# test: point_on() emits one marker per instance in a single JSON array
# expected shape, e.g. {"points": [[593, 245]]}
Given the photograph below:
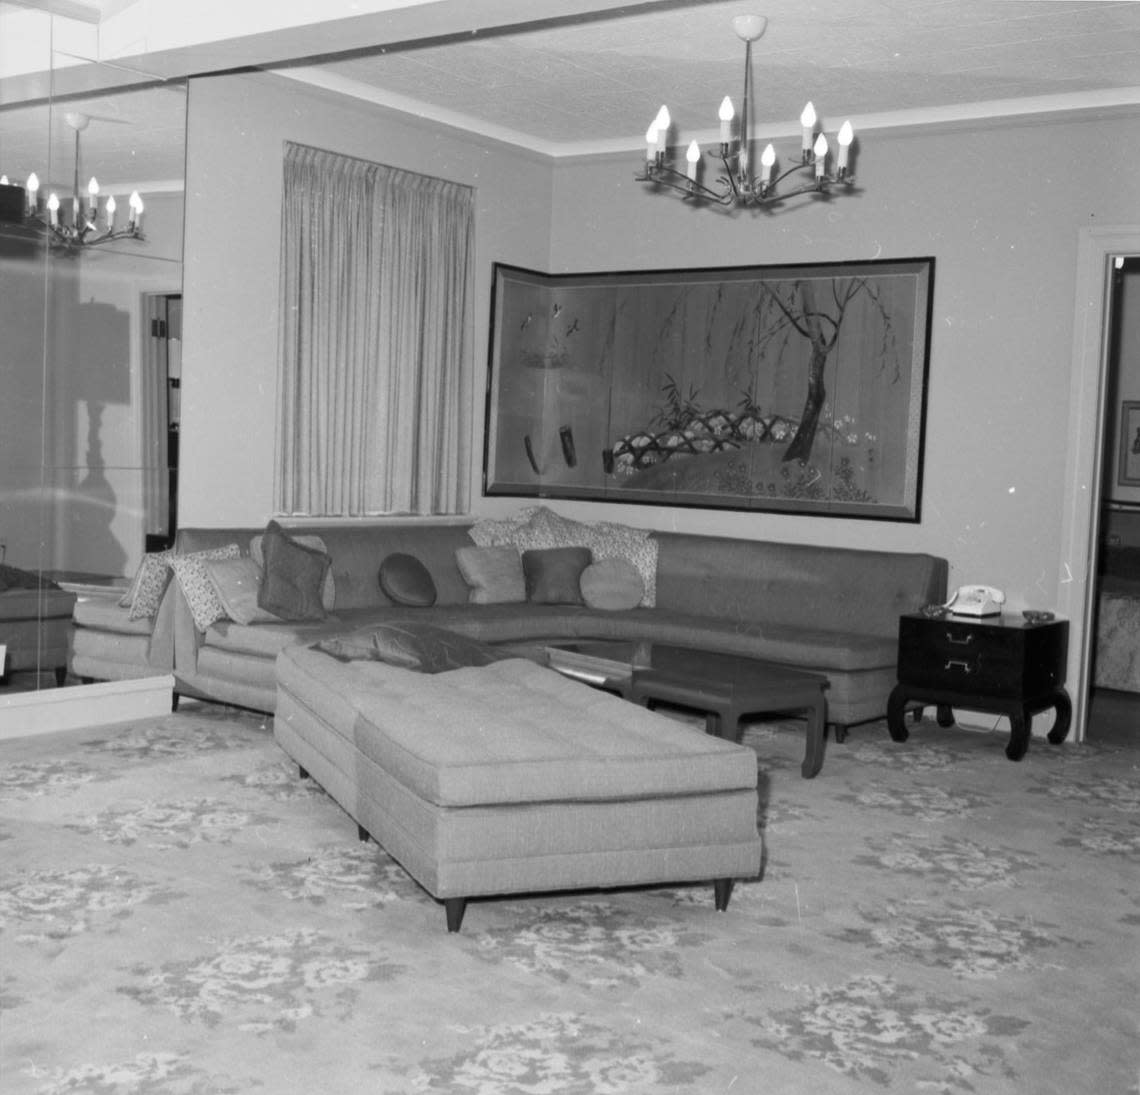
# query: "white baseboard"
{"points": [[49, 710]]}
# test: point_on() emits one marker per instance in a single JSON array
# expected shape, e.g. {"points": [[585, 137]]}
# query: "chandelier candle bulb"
{"points": [[693, 157], [33, 187], [767, 162], [53, 210], [92, 199], [820, 150], [651, 143], [846, 136], [807, 121], [726, 114], [109, 212]]}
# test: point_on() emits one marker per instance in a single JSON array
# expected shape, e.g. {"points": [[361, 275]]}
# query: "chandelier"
{"points": [[85, 223], [738, 186]]}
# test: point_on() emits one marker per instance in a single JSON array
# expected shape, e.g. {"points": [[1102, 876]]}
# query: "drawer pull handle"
{"points": [[964, 641], [965, 667]]}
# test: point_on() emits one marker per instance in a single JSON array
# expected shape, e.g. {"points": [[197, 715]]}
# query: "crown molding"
{"points": [[1104, 102]]}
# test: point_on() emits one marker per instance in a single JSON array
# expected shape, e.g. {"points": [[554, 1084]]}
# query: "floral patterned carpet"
{"points": [[180, 914]]}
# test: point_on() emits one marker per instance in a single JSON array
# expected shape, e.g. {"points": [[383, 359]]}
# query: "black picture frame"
{"points": [[787, 389]]}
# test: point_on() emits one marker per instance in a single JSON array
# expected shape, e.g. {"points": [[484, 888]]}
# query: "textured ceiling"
{"points": [[593, 84], [575, 87]]}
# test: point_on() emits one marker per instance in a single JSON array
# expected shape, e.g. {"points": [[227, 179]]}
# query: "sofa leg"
{"points": [[722, 891], [304, 772], [839, 732], [362, 834], [174, 698], [60, 675], [454, 908]]}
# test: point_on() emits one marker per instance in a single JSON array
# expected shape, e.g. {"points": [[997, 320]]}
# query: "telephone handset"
{"points": [[976, 601]]}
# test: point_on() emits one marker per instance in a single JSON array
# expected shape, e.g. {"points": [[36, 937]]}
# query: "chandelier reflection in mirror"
{"points": [[738, 186], [77, 223]]}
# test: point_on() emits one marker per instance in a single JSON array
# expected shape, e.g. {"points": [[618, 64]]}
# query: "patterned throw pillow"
{"points": [[493, 574], [194, 580], [149, 584]]}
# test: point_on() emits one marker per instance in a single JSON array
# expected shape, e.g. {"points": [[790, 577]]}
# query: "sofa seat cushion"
{"points": [[515, 732], [34, 604], [103, 612]]}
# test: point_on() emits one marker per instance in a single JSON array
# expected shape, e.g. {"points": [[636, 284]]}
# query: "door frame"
{"points": [[1080, 528]]}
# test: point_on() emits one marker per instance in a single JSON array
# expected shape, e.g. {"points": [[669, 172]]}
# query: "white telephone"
{"points": [[976, 601]]}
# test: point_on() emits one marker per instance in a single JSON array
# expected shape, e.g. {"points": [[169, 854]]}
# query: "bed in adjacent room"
{"points": [[1118, 620]]}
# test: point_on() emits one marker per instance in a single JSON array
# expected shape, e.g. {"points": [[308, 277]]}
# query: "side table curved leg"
{"points": [[1064, 708], [1018, 735], [813, 751], [945, 715], [896, 709]]}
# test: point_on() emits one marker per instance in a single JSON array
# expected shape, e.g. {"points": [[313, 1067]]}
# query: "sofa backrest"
{"points": [[801, 585], [357, 550]]}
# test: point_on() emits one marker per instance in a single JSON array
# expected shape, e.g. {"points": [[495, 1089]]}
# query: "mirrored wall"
{"points": [[89, 331]]}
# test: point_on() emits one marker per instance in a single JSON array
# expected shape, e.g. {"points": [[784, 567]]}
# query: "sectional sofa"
{"points": [[831, 610]]}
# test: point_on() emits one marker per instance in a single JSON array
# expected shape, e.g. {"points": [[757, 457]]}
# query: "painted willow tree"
{"points": [[816, 310]]}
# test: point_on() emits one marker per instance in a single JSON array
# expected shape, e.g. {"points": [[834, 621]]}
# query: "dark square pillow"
{"points": [[294, 575], [554, 575], [405, 580], [431, 649]]}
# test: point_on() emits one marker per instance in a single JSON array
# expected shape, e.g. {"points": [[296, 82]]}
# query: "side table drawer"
{"points": [[981, 657]]}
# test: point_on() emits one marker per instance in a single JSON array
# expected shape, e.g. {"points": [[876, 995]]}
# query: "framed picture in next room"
{"points": [[788, 389], [1129, 474]]}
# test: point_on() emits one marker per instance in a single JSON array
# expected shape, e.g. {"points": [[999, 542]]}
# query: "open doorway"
{"points": [[162, 373], [1114, 709]]}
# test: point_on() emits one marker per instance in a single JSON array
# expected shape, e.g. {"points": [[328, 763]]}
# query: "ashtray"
{"points": [[934, 612], [1034, 616]]}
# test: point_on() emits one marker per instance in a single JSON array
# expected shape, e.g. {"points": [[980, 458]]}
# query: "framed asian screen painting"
{"points": [[795, 389]]}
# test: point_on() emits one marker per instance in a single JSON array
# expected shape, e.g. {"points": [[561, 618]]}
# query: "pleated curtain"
{"points": [[375, 390]]}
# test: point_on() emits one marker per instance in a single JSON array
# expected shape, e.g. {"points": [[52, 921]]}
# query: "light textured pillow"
{"points": [[292, 577], [236, 582], [612, 585], [149, 584], [553, 575], [431, 649], [406, 581], [205, 605], [494, 575], [328, 590], [541, 527]]}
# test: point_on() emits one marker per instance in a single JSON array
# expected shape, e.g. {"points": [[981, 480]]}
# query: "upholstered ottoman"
{"points": [[509, 778]]}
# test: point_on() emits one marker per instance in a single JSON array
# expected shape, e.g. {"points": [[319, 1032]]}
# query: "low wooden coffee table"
{"points": [[727, 688]]}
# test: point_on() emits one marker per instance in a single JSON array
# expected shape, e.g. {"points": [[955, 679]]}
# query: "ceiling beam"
{"points": [[67, 9]]}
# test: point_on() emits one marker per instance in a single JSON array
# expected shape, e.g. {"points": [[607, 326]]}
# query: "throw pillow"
{"points": [[149, 584], [293, 576], [357, 646], [553, 575], [494, 574], [236, 582], [328, 590], [612, 585], [205, 605], [406, 581], [431, 649]]}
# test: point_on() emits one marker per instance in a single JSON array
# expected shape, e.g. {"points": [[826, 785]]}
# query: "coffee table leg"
{"points": [[813, 751]]}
